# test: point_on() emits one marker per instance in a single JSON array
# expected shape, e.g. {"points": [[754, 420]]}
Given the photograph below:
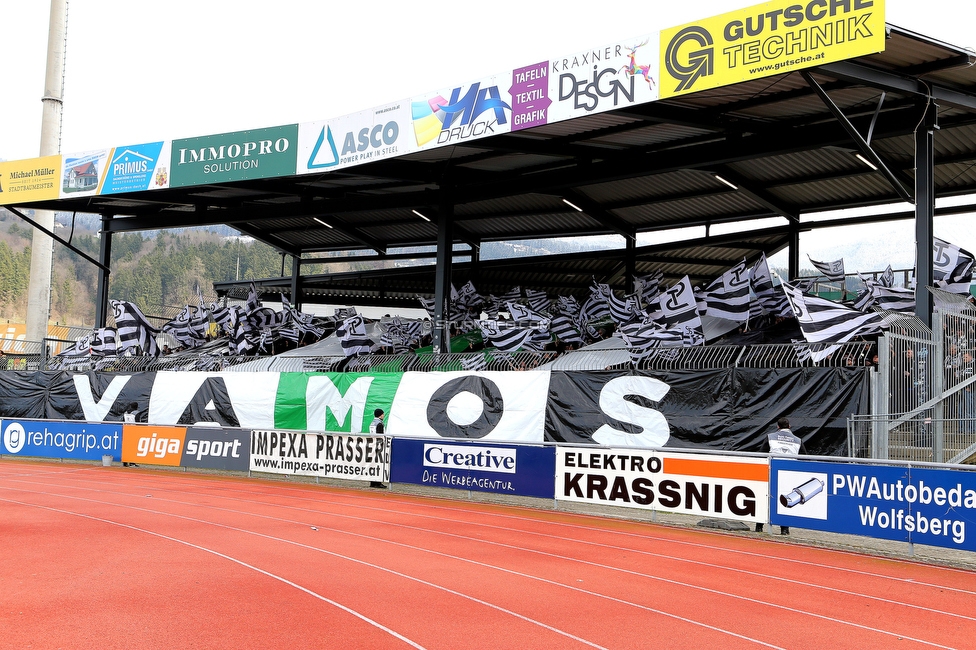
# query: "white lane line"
{"points": [[305, 546], [561, 557], [348, 610], [303, 496]]}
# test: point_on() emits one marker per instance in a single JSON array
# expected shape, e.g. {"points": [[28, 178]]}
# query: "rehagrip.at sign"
{"points": [[53, 439]]}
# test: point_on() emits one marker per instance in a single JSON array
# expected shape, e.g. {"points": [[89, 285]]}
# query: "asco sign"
{"points": [[767, 39]]}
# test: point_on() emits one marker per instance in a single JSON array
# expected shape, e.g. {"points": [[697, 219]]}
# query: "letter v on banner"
{"points": [[96, 411]]}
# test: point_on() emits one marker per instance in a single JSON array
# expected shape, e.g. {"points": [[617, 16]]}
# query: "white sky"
{"points": [[141, 71]]}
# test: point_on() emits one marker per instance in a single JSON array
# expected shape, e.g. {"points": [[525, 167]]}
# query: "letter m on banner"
{"points": [[338, 402]]}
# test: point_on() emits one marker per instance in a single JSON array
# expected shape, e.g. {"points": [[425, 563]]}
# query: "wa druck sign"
{"points": [[908, 504]]}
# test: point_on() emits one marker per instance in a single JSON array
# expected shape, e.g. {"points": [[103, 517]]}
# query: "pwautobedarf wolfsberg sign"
{"points": [[908, 504], [243, 155]]}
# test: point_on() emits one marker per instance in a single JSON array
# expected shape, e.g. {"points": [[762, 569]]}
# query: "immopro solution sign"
{"points": [[767, 39], [243, 155], [908, 504]]}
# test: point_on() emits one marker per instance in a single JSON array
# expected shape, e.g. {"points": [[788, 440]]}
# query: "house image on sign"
{"points": [[81, 177]]}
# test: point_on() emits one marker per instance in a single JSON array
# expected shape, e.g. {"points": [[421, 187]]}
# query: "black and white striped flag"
{"points": [[770, 300], [567, 306], [952, 266], [526, 316], [263, 317], [893, 298], [621, 311], [252, 301], [506, 339], [352, 336], [802, 351], [134, 330], [105, 342], [887, 279], [642, 339], [728, 296], [825, 321], [679, 309], [492, 306], [513, 294], [649, 286], [538, 300], [429, 306], [468, 296], [81, 348], [594, 309], [834, 271], [241, 343], [563, 329]]}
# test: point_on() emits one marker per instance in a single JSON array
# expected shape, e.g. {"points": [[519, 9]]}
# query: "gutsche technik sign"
{"points": [[767, 39]]}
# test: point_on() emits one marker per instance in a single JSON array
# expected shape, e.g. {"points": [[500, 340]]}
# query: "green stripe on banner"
{"points": [[333, 401]]}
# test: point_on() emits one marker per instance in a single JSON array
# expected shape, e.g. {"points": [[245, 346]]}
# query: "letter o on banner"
{"points": [[484, 389]]}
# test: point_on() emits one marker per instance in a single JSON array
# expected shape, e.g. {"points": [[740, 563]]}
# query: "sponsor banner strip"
{"points": [[639, 478], [327, 455], [908, 504], [67, 440], [522, 470], [714, 469]]}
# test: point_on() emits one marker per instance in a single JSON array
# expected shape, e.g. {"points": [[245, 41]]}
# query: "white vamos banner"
{"points": [[484, 405], [694, 484]]}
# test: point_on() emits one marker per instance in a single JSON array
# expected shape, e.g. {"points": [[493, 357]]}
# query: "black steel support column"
{"points": [[475, 265], [105, 258], [442, 283], [794, 252], [296, 277], [924, 211], [630, 260]]}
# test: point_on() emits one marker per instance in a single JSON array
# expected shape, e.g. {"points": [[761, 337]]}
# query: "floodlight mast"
{"points": [[42, 246]]}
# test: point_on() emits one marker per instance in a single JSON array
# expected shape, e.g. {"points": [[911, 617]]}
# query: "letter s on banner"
{"points": [[613, 403]]}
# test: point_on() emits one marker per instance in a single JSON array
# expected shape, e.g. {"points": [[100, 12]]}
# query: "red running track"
{"points": [[98, 557]]}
